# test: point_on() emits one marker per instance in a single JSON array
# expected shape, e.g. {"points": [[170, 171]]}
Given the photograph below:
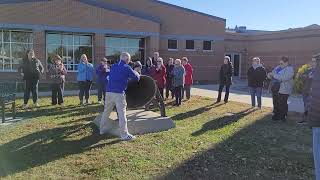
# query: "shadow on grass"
{"points": [[194, 112], [46, 146], [221, 122], [262, 150], [76, 110]]}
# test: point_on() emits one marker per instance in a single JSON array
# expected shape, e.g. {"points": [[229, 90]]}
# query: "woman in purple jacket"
{"points": [[102, 71]]}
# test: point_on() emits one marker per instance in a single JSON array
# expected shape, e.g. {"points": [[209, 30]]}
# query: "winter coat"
{"points": [[285, 76], [226, 72], [179, 76], [189, 74], [256, 76], [160, 76], [57, 73], [32, 69]]}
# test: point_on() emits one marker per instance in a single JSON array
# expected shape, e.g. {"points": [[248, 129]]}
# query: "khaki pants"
{"points": [[118, 100]]}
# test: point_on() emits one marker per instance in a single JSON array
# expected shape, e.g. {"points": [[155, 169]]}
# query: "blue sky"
{"points": [[259, 14]]}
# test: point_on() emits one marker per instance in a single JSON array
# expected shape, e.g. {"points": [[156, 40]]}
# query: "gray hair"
{"points": [[125, 54], [178, 61]]}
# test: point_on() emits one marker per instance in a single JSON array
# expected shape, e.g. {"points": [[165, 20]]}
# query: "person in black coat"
{"points": [[257, 74], [226, 72], [31, 69], [169, 86]]}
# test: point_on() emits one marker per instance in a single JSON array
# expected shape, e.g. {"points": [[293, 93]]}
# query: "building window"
{"points": [[13, 47], [172, 44], [189, 44], [134, 46], [70, 47], [207, 45]]}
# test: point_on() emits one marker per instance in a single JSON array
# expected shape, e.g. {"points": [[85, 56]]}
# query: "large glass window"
{"points": [[13, 47], [116, 45], [70, 47]]}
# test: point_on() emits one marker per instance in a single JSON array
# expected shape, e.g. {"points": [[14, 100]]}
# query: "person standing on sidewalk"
{"points": [[178, 80], [57, 73], [225, 77], [188, 79], [307, 78], [119, 76], [31, 70], [85, 78], [282, 74], [102, 71], [256, 77], [314, 116]]}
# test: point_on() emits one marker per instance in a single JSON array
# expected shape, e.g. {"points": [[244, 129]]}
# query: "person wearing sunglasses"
{"points": [[282, 77]]}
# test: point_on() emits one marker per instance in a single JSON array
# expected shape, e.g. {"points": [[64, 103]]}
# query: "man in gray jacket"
{"points": [[285, 77]]}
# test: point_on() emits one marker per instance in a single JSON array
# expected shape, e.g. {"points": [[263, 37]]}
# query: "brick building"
{"points": [[102, 28], [298, 44]]}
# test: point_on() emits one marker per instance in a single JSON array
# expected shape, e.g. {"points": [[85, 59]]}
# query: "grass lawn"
{"points": [[209, 142]]}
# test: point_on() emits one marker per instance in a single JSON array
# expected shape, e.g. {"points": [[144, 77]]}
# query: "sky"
{"points": [[258, 14]]}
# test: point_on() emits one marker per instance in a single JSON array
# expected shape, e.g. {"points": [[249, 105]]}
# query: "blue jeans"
{"points": [[256, 92], [316, 151]]}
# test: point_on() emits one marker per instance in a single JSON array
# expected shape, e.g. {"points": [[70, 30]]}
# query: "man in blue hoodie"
{"points": [[120, 74]]}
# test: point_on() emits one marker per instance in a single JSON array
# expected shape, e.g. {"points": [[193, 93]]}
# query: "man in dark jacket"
{"points": [[256, 76], [314, 116]]}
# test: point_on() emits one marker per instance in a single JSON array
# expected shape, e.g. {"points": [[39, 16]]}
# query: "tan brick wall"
{"points": [[72, 14], [298, 45], [206, 64], [175, 20]]}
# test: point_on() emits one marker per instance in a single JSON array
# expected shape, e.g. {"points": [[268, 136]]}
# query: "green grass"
{"points": [[207, 143]]}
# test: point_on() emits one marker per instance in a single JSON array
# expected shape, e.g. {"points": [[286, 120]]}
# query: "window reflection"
{"points": [[70, 47], [13, 46], [116, 45]]}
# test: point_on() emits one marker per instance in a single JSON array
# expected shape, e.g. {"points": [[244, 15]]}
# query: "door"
{"points": [[236, 61]]}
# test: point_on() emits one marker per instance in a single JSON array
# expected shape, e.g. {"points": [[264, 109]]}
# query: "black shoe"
{"points": [[226, 102], [302, 122], [275, 118]]}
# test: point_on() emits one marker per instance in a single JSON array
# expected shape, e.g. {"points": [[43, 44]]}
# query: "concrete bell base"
{"points": [[139, 122]]}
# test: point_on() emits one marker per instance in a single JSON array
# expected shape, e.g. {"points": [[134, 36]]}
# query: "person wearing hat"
{"points": [[314, 115], [57, 73]]}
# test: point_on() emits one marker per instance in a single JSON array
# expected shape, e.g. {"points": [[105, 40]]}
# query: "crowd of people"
{"points": [[174, 79]]}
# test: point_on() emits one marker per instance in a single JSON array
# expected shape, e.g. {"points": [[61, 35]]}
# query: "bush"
{"points": [[298, 82]]}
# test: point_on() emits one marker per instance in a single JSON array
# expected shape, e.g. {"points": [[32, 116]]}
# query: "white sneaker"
{"points": [[25, 106], [37, 105], [129, 137], [99, 102]]}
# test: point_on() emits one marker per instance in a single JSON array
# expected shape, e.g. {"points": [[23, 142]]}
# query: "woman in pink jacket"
{"points": [[188, 78]]}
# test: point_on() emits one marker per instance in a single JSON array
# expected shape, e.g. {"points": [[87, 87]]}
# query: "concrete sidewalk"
{"points": [[211, 91]]}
